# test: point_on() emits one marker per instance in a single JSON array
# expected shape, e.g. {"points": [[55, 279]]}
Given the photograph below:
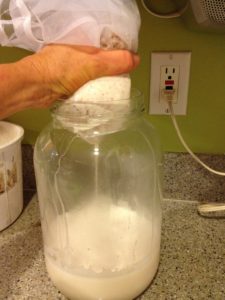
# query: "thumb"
{"points": [[117, 62]]}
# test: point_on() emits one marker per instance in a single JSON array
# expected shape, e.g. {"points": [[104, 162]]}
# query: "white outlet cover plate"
{"points": [[178, 59]]}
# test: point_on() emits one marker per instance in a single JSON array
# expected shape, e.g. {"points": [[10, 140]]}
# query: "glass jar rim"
{"points": [[69, 108], [91, 119]]}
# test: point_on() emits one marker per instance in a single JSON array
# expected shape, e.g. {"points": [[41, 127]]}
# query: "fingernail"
{"points": [[136, 59]]}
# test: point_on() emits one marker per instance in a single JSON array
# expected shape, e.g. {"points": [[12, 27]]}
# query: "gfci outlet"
{"points": [[170, 72], [169, 83]]}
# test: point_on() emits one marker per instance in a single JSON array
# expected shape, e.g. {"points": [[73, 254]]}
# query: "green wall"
{"points": [[204, 125]]}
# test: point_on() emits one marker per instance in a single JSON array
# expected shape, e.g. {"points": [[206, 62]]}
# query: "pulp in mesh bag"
{"points": [[97, 106]]}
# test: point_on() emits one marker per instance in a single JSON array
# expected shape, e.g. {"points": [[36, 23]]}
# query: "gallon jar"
{"points": [[98, 179]]}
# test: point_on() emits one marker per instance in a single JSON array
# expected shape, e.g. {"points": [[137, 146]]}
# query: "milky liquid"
{"points": [[111, 253], [125, 286]]}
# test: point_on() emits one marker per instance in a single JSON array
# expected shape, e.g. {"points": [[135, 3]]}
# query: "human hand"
{"points": [[55, 72], [66, 68]]}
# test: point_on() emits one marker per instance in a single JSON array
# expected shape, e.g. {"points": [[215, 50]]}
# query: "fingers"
{"points": [[100, 62]]}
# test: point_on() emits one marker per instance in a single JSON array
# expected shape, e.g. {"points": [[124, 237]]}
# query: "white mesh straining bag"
{"points": [[31, 24]]}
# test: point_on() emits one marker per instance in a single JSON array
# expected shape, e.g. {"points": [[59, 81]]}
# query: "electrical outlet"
{"points": [[169, 83], [170, 73]]}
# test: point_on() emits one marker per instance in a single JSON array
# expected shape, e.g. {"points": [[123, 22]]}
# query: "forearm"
{"points": [[22, 87]]}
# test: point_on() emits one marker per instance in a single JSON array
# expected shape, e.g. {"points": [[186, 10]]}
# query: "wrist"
{"points": [[35, 81]]}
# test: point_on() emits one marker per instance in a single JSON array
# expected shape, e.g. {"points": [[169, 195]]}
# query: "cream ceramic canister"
{"points": [[11, 187]]}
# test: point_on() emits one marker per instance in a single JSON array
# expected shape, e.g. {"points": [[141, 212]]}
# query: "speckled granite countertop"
{"points": [[192, 264]]}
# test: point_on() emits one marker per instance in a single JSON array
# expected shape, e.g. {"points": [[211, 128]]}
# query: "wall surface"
{"points": [[204, 125]]}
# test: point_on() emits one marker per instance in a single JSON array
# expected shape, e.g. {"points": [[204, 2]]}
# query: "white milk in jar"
{"points": [[110, 256]]}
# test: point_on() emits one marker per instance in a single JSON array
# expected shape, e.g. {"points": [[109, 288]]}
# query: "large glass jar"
{"points": [[98, 179]]}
